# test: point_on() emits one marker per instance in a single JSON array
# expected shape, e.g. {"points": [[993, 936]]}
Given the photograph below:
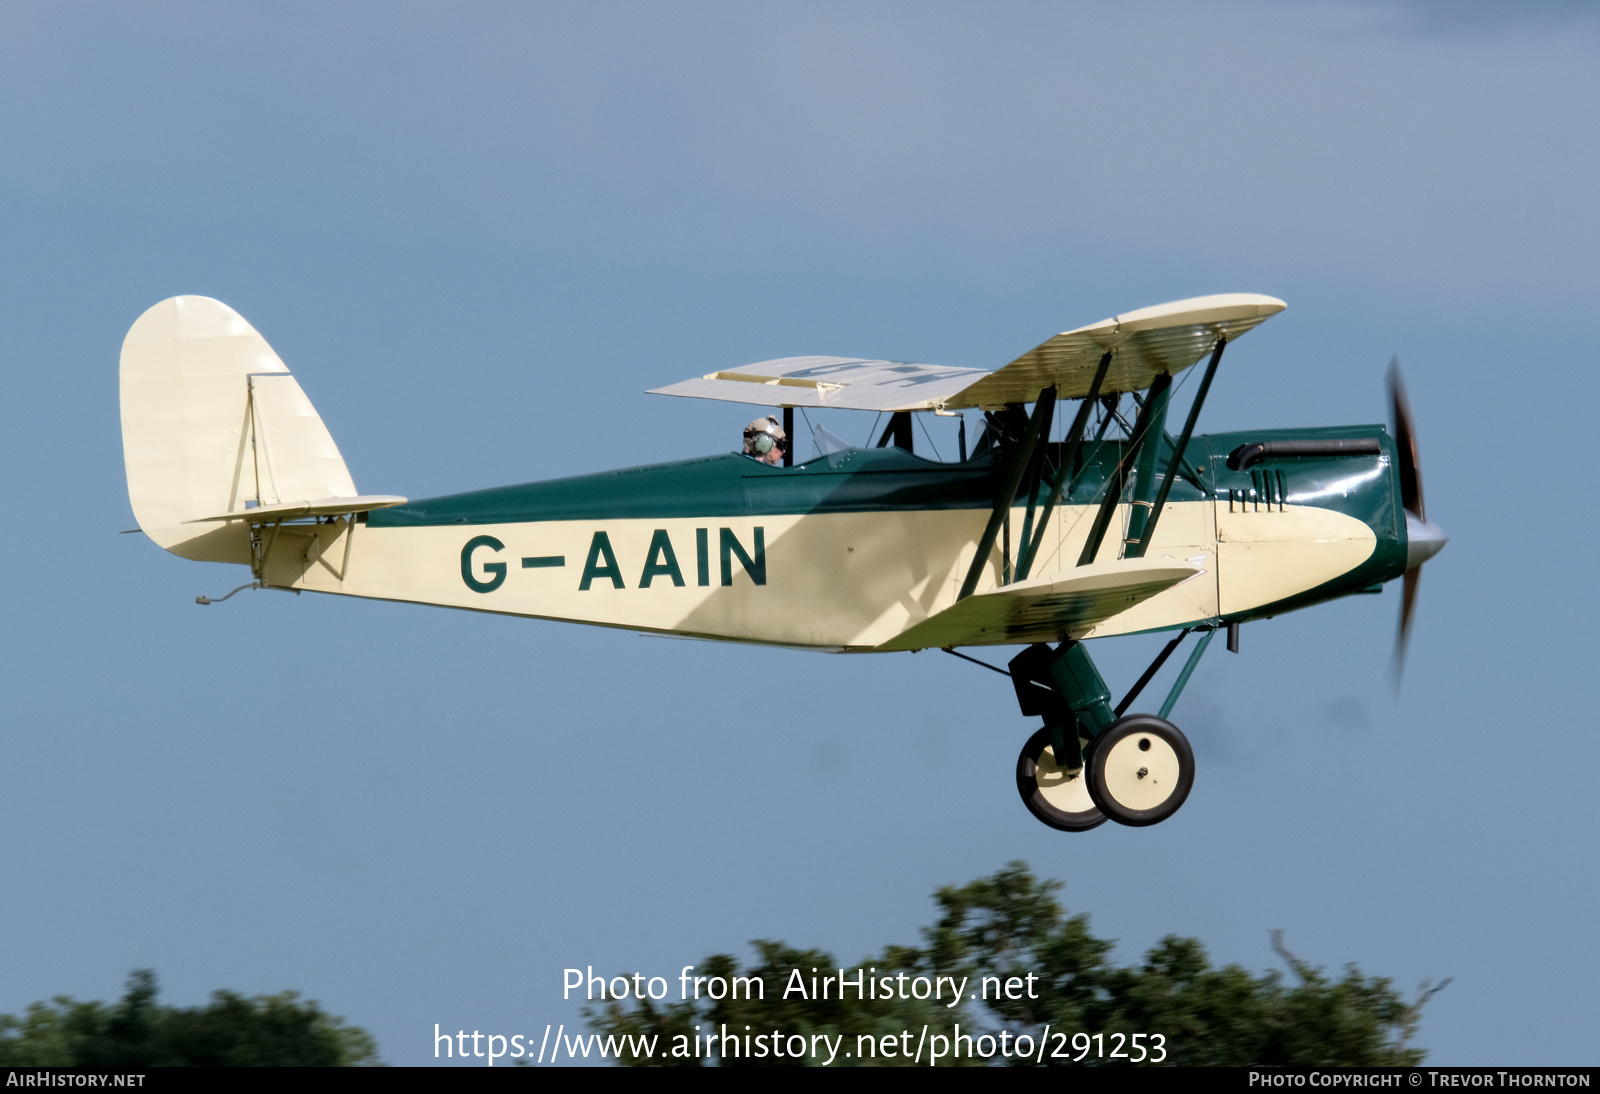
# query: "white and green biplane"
{"points": [[1045, 534]]}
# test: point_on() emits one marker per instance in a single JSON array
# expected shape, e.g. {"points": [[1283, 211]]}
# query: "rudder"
{"points": [[213, 422]]}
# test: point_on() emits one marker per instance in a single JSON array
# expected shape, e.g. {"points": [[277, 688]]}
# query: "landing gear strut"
{"points": [[1087, 765]]}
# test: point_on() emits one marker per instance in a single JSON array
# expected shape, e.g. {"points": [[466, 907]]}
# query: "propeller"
{"points": [[1424, 539]]}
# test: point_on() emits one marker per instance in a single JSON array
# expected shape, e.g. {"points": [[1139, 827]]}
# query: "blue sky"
{"points": [[477, 233]]}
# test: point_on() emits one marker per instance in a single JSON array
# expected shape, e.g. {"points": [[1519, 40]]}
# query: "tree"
{"points": [[1010, 926], [231, 1031]]}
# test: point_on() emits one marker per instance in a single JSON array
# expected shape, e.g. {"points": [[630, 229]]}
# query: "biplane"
{"points": [[1076, 514]]}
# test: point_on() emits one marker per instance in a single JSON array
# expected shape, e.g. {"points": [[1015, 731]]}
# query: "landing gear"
{"points": [[1090, 764], [1057, 796], [1140, 770]]}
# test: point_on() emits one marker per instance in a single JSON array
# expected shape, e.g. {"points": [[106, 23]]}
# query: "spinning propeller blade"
{"points": [[1405, 439], [1423, 538], [1402, 640]]}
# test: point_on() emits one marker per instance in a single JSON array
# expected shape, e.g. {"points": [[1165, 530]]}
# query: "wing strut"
{"points": [[1155, 404], [1034, 477], [1144, 468], [1069, 456], [1137, 549], [1008, 489]]}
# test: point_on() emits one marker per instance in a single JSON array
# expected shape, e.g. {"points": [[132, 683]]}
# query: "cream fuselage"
{"points": [[873, 544]]}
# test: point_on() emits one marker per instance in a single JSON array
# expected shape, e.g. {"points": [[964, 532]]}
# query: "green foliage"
{"points": [[1010, 925], [231, 1031]]}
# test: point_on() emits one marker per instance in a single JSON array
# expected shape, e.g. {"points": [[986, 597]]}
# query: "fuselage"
{"points": [[848, 551]]}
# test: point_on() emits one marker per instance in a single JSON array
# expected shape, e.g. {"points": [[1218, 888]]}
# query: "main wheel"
{"points": [[1141, 770], [1050, 793]]}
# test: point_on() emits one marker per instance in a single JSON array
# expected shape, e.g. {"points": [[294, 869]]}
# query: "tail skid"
{"points": [[218, 600]]}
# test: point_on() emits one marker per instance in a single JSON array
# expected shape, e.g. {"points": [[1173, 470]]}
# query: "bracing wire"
{"points": [[811, 429], [928, 435]]}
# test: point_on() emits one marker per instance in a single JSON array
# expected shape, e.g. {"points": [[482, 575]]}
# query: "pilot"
{"points": [[765, 440]]}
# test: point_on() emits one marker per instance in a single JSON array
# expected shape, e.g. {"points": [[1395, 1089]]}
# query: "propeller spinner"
{"points": [[1424, 539]]}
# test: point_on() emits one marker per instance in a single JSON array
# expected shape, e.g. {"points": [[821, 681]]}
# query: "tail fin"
{"points": [[212, 422]]}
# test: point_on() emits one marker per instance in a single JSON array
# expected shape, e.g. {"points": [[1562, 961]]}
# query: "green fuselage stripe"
{"points": [[892, 480]]}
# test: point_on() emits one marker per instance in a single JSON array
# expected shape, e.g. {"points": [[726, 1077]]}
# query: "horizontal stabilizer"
{"points": [[327, 507], [1044, 609], [1144, 344]]}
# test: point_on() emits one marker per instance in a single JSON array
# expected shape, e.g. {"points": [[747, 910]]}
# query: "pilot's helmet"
{"points": [[764, 435]]}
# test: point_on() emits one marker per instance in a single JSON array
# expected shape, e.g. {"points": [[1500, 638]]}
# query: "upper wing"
{"points": [[847, 383], [1167, 338], [1044, 609]]}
